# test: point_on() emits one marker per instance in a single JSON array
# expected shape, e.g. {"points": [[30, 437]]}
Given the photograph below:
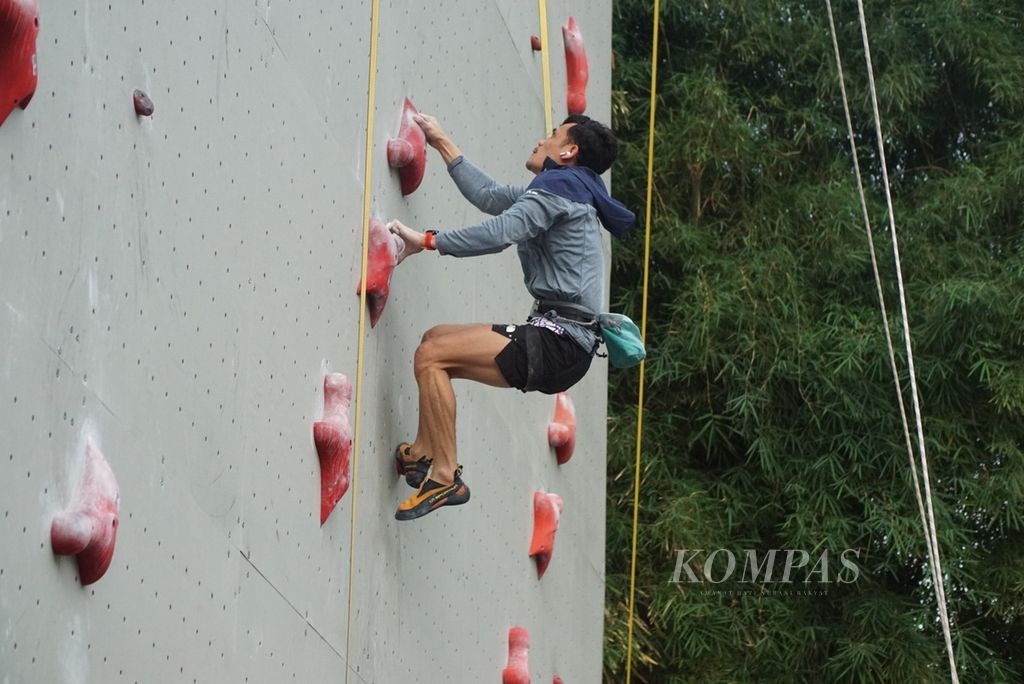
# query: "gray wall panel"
{"points": [[177, 287]]}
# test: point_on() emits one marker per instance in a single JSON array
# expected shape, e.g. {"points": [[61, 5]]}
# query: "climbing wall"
{"points": [[174, 288]]}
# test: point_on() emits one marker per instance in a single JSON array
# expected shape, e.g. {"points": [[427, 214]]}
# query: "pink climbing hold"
{"points": [[562, 429], [333, 438], [576, 70], [518, 669], [535, 43], [143, 105], [382, 254], [87, 529], [19, 26], [547, 509], [408, 152]]}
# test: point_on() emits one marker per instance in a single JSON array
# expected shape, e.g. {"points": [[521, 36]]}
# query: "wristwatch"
{"points": [[429, 238]]}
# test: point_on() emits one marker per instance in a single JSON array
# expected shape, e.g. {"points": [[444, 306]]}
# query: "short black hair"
{"points": [[598, 145]]}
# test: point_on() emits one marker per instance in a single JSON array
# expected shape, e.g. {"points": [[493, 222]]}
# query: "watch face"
{"points": [[510, 328]]}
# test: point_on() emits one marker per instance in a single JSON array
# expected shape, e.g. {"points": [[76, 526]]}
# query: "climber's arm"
{"points": [[532, 214], [480, 189]]}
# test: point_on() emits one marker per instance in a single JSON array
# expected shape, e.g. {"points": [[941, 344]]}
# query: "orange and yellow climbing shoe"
{"points": [[431, 495], [414, 471]]}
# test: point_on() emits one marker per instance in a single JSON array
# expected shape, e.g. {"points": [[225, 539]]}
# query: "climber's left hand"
{"points": [[413, 240]]}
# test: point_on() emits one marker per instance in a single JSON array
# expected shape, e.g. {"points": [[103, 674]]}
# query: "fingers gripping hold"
{"points": [[406, 240]]}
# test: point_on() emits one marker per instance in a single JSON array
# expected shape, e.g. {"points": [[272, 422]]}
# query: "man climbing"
{"points": [[554, 222]]}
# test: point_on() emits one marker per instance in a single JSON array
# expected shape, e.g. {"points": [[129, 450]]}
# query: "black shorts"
{"points": [[539, 359]]}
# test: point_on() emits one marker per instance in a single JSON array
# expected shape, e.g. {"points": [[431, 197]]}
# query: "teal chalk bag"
{"points": [[621, 339]]}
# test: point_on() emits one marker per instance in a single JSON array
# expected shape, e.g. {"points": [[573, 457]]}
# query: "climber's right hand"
{"points": [[437, 138], [432, 130]]}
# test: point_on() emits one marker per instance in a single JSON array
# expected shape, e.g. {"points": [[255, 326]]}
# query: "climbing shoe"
{"points": [[414, 471], [433, 495]]}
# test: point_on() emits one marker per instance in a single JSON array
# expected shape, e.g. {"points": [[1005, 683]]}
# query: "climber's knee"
{"points": [[426, 356]]}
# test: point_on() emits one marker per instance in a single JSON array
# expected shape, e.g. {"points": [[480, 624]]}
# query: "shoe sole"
{"points": [[424, 507]]}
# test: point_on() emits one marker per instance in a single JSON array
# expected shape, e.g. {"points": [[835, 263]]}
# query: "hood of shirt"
{"points": [[582, 184]]}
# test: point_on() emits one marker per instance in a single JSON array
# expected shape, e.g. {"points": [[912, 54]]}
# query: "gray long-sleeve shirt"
{"points": [[558, 241]]}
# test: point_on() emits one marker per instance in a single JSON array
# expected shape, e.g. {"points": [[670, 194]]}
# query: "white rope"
{"points": [[927, 517], [881, 296]]}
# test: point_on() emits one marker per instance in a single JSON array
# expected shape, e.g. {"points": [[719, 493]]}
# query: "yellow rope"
{"points": [[643, 336], [545, 65], [367, 184]]}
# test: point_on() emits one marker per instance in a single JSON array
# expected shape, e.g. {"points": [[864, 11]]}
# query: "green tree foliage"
{"points": [[771, 419]]}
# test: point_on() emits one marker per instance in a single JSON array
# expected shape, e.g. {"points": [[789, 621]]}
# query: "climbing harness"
{"points": [[619, 333]]}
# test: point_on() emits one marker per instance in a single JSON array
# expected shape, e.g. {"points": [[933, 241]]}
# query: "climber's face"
{"points": [[556, 146]]}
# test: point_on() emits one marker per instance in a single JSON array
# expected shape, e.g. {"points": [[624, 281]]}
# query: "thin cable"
{"points": [[545, 65], [882, 300], [886, 326], [932, 535], [371, 107], [643, 337]]}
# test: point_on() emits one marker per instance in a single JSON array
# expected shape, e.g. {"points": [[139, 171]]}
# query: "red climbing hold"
{"points": [[333, 439], [518, 669], [547, 509], [557, 680], [562, 429], [382, 253], [19, 26], [408, 152], [535, 43], [143, 105], [88, 527], [576, 71]]}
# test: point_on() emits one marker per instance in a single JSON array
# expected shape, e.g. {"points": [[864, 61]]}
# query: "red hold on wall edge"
{"points": [[518, 669], [547, 509], [576, 70], [87, 528], [333, 438], [562, 428], [19, 26]]}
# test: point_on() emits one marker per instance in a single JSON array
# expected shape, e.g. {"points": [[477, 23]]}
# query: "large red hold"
{"points": [[547, 509], [562, 428], [87, 529], [576, 70], [19, 26], [518, 669], [408, 152], [382, 254], [333, 438]]}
